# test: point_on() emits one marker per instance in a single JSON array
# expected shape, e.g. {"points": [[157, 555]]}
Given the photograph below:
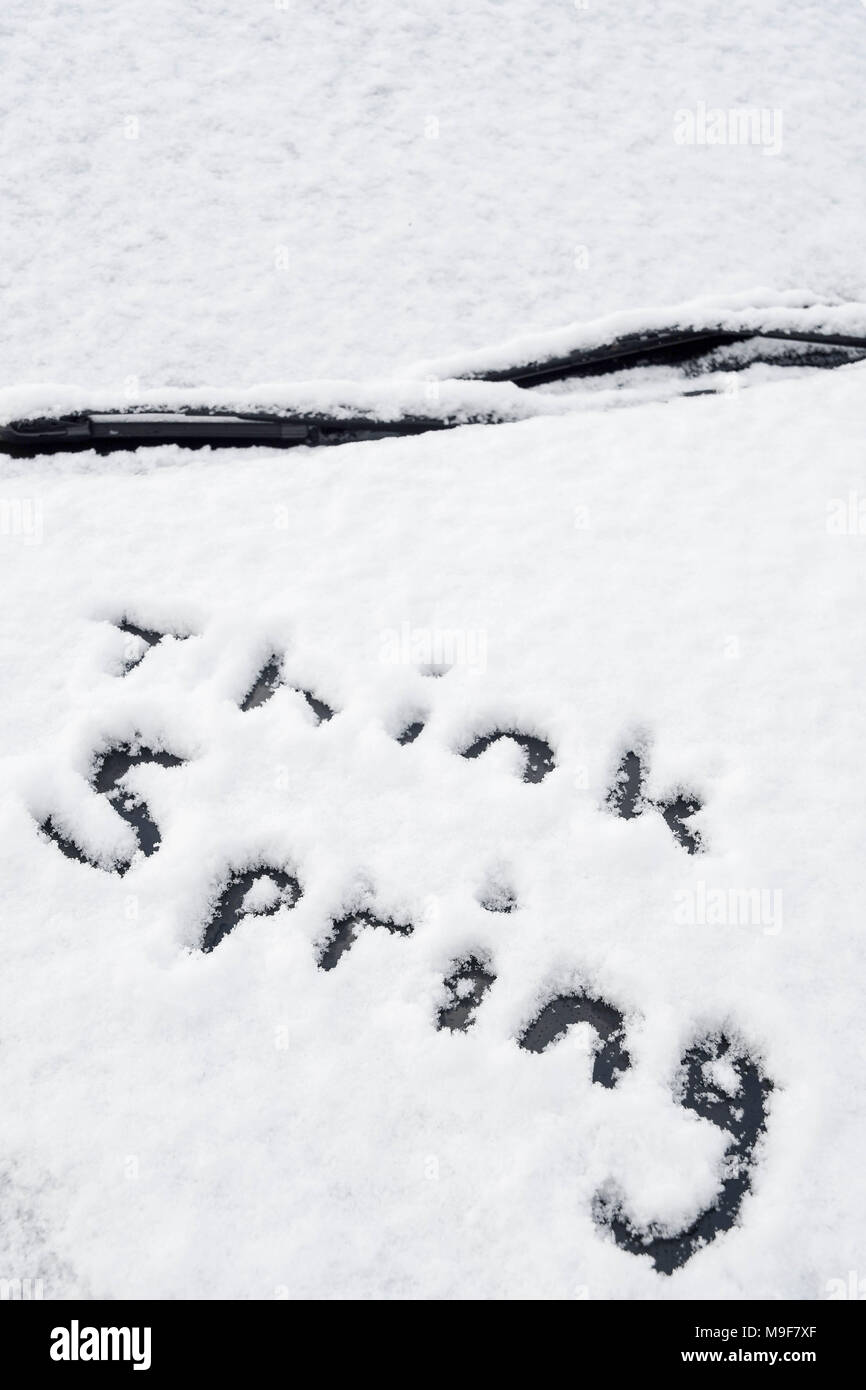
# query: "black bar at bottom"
{"points": [[230, 1338]]}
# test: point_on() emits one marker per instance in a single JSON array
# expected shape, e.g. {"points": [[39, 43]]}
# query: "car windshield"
{"points": [[432, 656]]}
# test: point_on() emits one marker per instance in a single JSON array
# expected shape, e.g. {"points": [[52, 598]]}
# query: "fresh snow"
{"points": [[684, 579], [222, 1068], [222, 191]]}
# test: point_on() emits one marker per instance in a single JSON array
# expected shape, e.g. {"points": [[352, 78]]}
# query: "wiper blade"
{"points": [[666, 347], [702, 346], [106, 431]]}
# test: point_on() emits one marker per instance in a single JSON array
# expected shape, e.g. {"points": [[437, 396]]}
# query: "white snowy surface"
{"points": [[244, 1124], [349, 204], [229, 191]]}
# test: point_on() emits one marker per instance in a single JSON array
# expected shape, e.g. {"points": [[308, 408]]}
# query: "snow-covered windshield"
{"points": [[432, 867]]}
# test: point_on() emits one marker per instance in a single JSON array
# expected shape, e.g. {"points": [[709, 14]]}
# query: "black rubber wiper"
{"points": [[668, 347], [105, 431], [697, 349]]}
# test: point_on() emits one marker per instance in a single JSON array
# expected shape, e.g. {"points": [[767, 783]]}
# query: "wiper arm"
{"points": [[728, 339], [663, 347], [106, 431]]}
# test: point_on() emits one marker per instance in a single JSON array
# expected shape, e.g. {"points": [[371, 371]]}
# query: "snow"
{"points": [[683, 578], [724, 1075], [339, 209], [291, 192], [263, 895]]}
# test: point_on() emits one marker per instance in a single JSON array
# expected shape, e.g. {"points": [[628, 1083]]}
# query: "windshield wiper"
{"points": [[696, 352], [674, 347], [106, 431]]}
